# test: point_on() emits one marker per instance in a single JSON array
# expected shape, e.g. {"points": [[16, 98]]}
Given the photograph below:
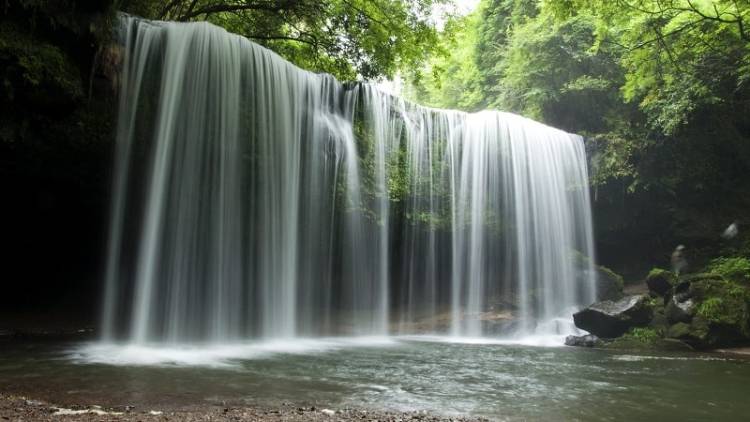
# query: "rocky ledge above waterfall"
{"points": [[697, 311]]}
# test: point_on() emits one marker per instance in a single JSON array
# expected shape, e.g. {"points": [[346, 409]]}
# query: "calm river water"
{"points": [[495, 380]]}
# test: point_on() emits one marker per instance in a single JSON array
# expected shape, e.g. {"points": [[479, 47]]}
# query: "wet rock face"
{"points": [[610, 319]]}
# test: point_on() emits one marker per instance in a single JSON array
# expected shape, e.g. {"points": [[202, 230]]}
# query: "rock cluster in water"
{"points": [[698, 311]]}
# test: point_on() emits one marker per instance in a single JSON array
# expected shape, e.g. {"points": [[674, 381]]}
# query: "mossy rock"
{"points": [[722, 302], [699, 277], [718, 316], [647, 338], [659, 320], [660, 282], [681, 330], [696, 333], [662, 345], [609, 285]]}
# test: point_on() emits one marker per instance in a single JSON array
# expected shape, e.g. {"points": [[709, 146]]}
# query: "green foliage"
{"points": [[723, 302], [451, 79], [512, 56], [680, 56], [668, 276], [656, 302], [656, 272], [712, 309], [734, 268], [643, 334], [29, 63], [638, 338], [48, 60], [349, 39]]}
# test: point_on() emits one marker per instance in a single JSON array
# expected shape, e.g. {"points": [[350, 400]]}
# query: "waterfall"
{"points": [[253, 199]]}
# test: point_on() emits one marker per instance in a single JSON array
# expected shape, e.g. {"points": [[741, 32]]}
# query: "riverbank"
{"points": [[18, 408]]}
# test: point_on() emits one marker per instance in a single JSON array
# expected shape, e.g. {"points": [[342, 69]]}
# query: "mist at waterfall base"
{"points": [[257, 203]]}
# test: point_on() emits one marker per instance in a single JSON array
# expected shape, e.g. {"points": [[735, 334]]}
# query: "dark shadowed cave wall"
{"points": [[56, 116]]}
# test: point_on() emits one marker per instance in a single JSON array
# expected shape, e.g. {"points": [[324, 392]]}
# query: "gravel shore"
{"points": [[17, 408]]}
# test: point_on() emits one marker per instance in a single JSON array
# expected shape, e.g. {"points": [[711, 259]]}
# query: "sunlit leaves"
{"points": [[351, 39]]}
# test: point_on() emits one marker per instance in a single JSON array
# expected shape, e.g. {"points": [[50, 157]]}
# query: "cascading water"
{"points": [[253, 199]]}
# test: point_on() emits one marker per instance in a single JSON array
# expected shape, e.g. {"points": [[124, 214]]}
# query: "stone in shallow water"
{"points": [[588, 340], [610, 319]]}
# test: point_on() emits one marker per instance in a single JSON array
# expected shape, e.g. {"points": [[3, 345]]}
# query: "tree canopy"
{"points": [[350, 39]]}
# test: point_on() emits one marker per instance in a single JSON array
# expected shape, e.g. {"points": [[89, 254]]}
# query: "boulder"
{"points": [[660, 282], [610, 319], [588, 340], [696, 334], [680, 330], [609, 285]]}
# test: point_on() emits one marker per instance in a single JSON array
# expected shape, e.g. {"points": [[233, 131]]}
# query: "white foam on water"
{"points": [[213, 355], [527, 340], [549, 333], [642, 358]]}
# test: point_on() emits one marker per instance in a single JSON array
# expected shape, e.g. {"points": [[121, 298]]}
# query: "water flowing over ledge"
{"points": [[255, 200]]}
